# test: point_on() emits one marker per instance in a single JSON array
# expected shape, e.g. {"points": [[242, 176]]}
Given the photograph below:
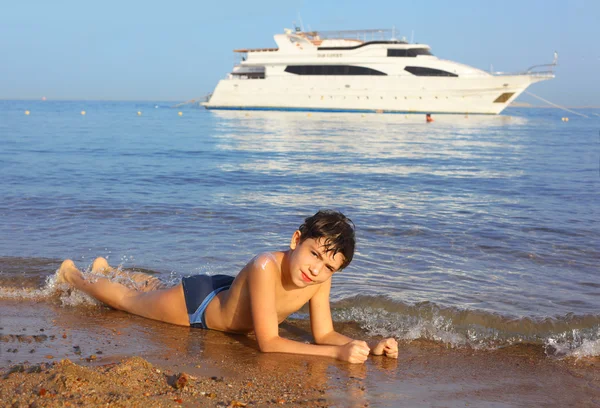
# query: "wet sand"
{"points": [[65, 356]]}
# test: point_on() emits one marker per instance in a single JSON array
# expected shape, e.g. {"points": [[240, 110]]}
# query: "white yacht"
{"points": [[363, 71]]}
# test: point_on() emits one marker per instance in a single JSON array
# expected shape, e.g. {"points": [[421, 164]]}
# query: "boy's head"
{"points": [[336, 231]]}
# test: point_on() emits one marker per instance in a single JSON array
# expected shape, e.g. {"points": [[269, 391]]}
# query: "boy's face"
{"points": [[309, 263]]}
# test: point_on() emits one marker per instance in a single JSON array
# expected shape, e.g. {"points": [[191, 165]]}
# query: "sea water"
{"points": [[475, 231]]}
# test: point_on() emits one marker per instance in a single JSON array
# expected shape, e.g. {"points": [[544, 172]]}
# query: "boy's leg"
{"points": [[166, 305], [142, 281]]}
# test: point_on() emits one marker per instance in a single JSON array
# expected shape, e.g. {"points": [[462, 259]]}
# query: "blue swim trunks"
{"points": [[198, 291]]}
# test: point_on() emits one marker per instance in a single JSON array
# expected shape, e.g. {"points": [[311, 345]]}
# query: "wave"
{"points": [[51, 290], [22, 287], [560, 336]]}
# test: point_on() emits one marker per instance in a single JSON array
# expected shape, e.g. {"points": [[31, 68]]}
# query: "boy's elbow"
{"points": [[321, 338], [265, 349], [268, 345]]}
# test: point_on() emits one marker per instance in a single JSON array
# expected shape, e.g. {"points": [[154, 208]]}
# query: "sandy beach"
{"points": [[67, 356]]}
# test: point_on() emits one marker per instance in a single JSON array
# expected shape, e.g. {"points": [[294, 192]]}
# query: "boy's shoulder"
{"points": [[267, 261], [264, 267]]}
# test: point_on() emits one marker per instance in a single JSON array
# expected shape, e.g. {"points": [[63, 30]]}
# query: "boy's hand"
{"points": [[355, 351], [389, 347]]}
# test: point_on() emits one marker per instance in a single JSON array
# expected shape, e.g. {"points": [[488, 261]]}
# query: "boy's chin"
{"points": [[301, 283]]}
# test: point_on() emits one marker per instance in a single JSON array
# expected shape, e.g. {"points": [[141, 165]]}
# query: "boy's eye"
{"points": [[315, 254]]}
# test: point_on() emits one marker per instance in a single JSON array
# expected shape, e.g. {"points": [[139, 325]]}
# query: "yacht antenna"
{"points": [[301, 24]]}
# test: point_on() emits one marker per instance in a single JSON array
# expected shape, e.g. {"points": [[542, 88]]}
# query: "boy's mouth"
{"points": [[305, 278]]}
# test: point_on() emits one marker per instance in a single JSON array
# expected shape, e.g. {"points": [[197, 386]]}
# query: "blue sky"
{"points": [[157, 50]]}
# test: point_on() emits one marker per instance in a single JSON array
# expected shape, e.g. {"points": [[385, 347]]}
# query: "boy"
{"points": [[266, 291]]}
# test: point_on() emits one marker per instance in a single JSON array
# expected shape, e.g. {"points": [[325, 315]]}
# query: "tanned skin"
{"points": [[267, 290]]}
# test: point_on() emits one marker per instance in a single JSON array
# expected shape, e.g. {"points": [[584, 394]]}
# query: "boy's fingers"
{"points": [[391, 348], [364, 346], [392, 343], [361, 348], [359, 358]]}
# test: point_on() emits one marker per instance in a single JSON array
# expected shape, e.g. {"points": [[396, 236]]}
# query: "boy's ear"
{"points": [[295, 240]]}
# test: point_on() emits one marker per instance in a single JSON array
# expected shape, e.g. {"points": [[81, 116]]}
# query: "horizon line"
{"points": [[189, 101]]}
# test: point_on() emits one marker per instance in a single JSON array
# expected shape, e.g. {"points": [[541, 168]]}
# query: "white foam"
{"points": [[589, 348], [379, 322], [22, 293], [51, 289], [574, 343], [67, 295]]}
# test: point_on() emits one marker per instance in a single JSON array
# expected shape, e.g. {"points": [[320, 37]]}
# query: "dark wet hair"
{"points": [[337, 232]]}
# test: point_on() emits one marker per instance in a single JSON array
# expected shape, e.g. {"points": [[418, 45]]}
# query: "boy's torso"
{"points": [[230, 310]]}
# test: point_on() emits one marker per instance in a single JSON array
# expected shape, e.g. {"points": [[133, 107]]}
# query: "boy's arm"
{"points": [[324, 333], [262, 280], [320, 318]]}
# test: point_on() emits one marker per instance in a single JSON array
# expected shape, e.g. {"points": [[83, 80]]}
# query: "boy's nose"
{"points": [[314, 270]]}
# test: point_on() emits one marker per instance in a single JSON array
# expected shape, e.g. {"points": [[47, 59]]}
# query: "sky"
{"points": [[177, 51]]}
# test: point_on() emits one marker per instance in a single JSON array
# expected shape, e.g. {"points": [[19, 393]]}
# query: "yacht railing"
{"points": [[376, 34], [546, 73], [535, 70]]}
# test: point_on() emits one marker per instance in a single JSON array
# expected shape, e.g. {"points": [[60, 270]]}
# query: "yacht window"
{"points": [[365, 44], [396, 53], [422, 71], [410, 52], [331, 70], [413, 52]]}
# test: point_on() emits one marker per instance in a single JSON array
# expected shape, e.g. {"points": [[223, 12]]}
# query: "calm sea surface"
{"points": [[478, 230]]}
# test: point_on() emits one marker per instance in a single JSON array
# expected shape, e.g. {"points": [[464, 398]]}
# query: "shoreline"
{"points": [[116, 356]]}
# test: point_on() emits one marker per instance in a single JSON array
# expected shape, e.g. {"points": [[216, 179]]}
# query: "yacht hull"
{"points": [[488, 95]]}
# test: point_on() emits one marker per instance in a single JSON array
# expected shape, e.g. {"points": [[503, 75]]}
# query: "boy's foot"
{"points": [[66, 269], [100, 265]]}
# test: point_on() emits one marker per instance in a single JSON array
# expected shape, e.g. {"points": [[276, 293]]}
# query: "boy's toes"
{"points": [[100, 265], [61, 275]]}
